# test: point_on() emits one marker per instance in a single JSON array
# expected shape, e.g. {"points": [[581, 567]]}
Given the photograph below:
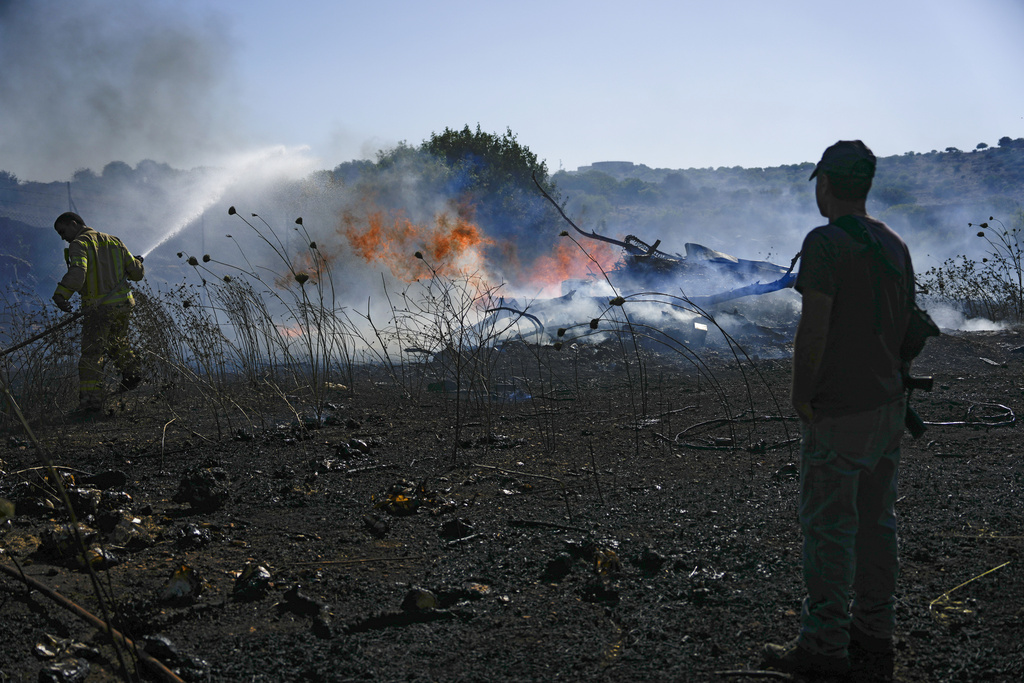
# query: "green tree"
{"points": [[491, 163], [117, 171], [494, 175]]}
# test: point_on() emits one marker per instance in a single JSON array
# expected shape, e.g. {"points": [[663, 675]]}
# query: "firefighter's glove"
{"points": [[62, 303]]}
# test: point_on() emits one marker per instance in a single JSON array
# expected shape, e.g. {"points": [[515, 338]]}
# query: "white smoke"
{"points": [[949, 318], [90, 81]]}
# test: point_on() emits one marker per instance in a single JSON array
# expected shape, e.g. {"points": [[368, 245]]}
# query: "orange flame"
{"points": [[312, 263], [452, 246], [568, 260]]}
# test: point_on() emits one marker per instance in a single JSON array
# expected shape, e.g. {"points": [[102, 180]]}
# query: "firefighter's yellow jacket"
{"points": [[97, 264]]}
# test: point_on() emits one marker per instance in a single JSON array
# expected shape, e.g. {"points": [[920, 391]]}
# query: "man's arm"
{"points": [[133, 267], [809, 349]]}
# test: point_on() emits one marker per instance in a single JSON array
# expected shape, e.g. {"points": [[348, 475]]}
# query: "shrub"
{"points": [[990, 287]]}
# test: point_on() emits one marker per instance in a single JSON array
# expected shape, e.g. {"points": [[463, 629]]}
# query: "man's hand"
{"points": [[809, 349], [805, 411], [62, 303]]}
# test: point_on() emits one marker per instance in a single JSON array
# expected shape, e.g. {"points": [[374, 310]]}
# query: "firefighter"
{"points": [[99, 267]]}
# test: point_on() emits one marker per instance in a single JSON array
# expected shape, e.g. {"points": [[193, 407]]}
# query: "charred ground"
{"points": [[619, 525]]}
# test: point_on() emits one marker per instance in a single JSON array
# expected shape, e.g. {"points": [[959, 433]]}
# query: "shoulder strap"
{"points": [[856, 230], [858, 233]]}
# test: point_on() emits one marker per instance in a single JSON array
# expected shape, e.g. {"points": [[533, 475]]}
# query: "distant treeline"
{"points": [[929, 197], [750, 212]]}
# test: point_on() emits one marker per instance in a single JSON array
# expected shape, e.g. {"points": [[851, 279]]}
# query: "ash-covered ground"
{"points": [[633, 519]]}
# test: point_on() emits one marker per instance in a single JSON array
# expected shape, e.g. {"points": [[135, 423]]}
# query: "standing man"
{"points": [[99, 267], [857, 283]]}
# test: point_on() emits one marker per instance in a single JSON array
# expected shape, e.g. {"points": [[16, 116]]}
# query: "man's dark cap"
{"points": [[847, 158]]}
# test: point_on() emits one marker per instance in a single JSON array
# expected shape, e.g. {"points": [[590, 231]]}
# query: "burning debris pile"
{"points": [[645, 268], [665, 298], [653, 296]]}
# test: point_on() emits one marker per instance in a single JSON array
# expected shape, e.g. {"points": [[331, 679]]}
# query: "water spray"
{"points": [[281, 160]]}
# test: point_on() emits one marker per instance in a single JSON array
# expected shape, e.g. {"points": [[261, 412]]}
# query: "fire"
{"points": [[451, 246], [568, 260], [311, 263]]}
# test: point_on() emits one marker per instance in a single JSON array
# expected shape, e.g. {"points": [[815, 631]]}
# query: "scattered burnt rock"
{"points": [[298, 602], [183, 586], [104, 481], [600, 591], [558, 567], [103, 557], [67, 670], [138, 614], [185, 666], [284, 472], [495, 441], [359, 445], [52, 647], [192, 536], [244, 435], [60, 543], [650, 561], [453, 529], [203, 488], [112, 500], [581, 550], [252, 583], [419, 600], [377, 526], [85, 501], [130, 533], [788, 472]]}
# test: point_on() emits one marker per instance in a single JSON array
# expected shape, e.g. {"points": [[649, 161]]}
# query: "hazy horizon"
{"points": [[673, 85]]}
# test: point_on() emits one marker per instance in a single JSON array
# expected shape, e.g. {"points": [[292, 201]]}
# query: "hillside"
{"points": [[929, 198], [753, 213]]}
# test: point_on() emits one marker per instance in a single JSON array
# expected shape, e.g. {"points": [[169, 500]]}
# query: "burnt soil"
{"points": [[618, 526]]}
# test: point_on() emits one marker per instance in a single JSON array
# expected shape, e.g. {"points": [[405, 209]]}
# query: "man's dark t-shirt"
{"points": [[861, 366]]}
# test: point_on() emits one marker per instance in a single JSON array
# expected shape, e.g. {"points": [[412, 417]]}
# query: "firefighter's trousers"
{"points": [[104, 337]]}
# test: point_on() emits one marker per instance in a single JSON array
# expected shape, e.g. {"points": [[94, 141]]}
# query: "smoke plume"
{"points": [[91, 81]]}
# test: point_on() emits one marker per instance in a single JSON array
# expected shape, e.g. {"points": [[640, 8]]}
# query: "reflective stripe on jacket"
{"points": [[97, 264]]}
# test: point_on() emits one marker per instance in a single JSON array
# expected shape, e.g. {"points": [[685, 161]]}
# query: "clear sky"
{"points": [[670, 84]]}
